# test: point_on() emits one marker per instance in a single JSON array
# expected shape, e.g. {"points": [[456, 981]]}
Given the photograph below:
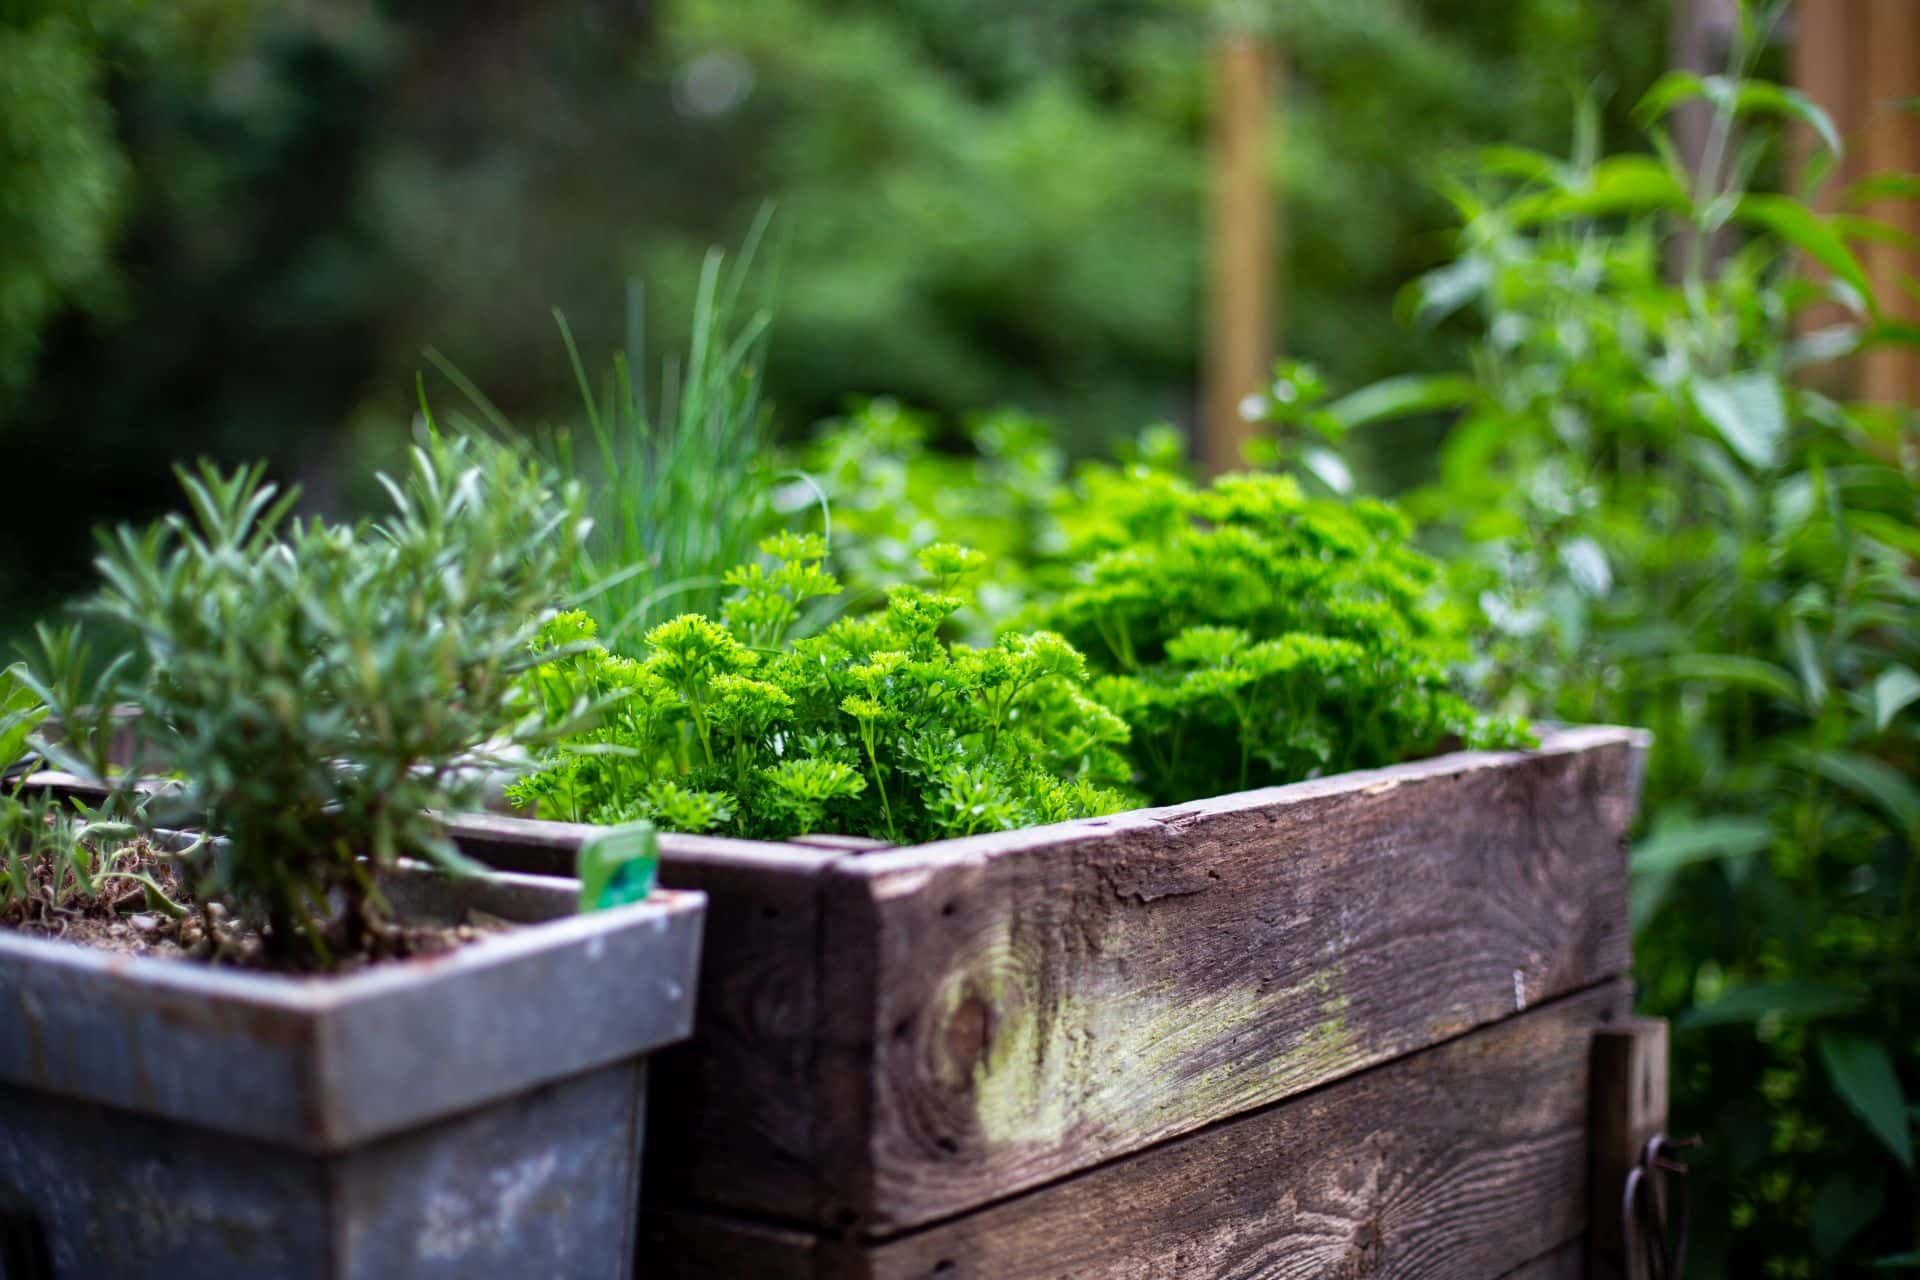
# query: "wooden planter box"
{"points": [[1339, 1028]]}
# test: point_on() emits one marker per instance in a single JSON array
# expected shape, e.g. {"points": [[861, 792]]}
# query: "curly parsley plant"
{"points": [[1252, 635], [873, 726]]}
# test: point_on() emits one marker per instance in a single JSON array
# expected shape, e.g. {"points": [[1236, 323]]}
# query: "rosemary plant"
{"points": [[322, 687]]}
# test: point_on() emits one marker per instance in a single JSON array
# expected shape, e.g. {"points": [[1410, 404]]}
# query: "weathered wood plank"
{"points": [[1048, 1000], [847, 844], [1568, 1262], [730, 1110], [1628, 1105], [64, 785], [684, 1244], [1458, 1162], [1462, 1162]]}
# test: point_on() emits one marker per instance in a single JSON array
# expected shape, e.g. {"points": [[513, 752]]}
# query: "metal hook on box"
{"points": [[1654, 1199]]}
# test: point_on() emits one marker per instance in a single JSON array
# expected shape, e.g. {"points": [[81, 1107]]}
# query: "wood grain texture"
{"points": [[1627, 1106], [1465, 1161], [729, 1114], [1044, 1001], [1568, 1262], [846, 844], [684, 1244]]}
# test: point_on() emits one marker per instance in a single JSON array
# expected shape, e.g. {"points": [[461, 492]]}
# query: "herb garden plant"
{"points": [[1240, 634], [320, 688], [1250, 634], [1672, 524], [319, 691], [874, 725], [680, 484]]}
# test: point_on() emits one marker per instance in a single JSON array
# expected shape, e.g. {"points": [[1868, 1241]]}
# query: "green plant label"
{"points": [[618, 866]]}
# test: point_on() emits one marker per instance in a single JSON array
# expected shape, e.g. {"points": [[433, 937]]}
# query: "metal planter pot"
{"points": [[477, 1114]]}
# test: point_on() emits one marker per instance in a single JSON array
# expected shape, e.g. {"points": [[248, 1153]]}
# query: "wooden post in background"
{"points": [[1239, 335], [1827, 53], [1858, 59], [1891, 144]]}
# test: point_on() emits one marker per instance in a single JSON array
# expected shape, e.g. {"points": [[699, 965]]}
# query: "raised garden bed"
{"points": [[474, 1114], [1339, 1027]]}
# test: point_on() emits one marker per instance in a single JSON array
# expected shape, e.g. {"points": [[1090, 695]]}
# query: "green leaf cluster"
{"points": [[66, 185], [1251, 634], [69, 181], [874, 725], [321, 687], [1672, 516], [891, 491]]}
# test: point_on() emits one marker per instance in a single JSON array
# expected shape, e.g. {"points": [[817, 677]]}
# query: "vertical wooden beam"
{"points": [[1829, 49], [1627, 1104], [1239, 330], [1892, 144]]}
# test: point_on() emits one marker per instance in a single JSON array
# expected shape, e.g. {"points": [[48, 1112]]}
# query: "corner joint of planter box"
{"points": [[325, 1128]]}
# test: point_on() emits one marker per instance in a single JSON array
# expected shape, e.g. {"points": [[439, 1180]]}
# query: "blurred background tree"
{"points": [[241, 221]]}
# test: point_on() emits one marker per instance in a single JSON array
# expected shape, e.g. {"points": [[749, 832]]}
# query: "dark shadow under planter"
{"points": [[474, 1114]]}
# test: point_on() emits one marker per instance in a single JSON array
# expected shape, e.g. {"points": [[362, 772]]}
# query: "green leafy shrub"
{"points": [[21, 712], [69, 179], [322, 687], [1252, 635], [61, 205], [1672, 524], [874, 725]]}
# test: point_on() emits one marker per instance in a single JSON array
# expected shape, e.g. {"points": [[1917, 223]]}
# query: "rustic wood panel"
{"points": [[1628, 1105], [846, 844], [729, 1112], [1568, 1262], [1048, 1000], [682, 1244], [1462, 1162], [529, 845]]}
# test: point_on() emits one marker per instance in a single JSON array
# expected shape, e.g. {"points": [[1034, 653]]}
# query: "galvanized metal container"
{"points": [[476, 1114]]}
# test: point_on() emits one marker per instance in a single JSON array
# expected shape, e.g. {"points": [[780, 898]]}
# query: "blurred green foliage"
{"points": [[979, 205], [1668, 523], [1024, 185], [65, 177], [67, 172]]}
